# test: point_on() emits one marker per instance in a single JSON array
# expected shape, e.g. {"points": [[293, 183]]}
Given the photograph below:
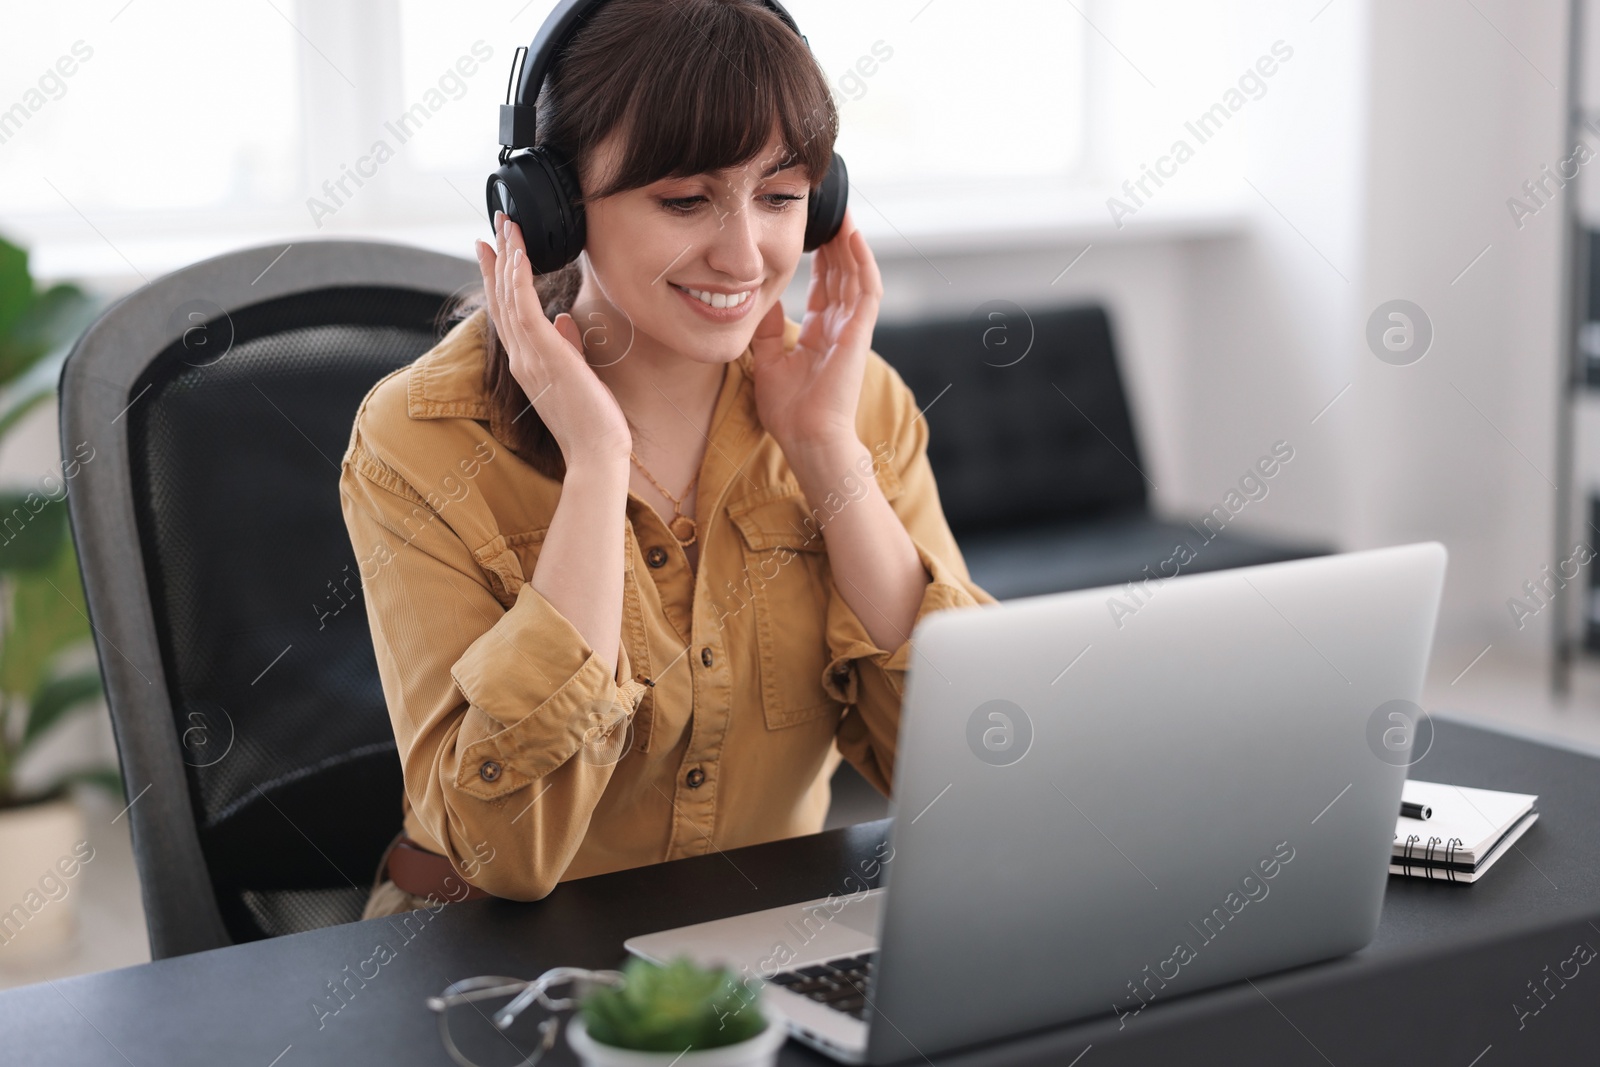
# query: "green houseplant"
{"points": [[679, 1013], [44, 628]]}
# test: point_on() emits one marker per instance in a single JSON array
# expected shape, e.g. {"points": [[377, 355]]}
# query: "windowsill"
{"points": [[900, 224], [975, 220]]}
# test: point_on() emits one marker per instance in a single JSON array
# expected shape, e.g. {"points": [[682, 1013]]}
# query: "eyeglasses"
{"points": [[494, 1021]]}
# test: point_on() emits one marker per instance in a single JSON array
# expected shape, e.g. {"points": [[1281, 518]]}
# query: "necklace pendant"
{"points": [[683, 529]]}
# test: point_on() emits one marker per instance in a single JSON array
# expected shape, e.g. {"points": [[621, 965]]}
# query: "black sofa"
{"points": [[1038, 463]]}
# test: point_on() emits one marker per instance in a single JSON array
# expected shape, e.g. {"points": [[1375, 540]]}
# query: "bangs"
{"points": [[703, 91]]}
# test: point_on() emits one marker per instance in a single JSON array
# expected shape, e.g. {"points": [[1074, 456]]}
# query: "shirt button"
{"points": [[695, 778], [489, 771], [656, 557], [705, 655]]}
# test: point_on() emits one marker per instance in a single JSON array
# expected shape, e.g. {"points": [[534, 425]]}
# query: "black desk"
{"points": [[1439, 985]]}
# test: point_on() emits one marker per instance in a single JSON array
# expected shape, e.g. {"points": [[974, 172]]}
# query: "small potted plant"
{"points": [[680, 1013]]}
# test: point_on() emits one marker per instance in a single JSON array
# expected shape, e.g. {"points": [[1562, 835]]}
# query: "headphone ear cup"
{"points": [[825, 213], [538, 189]]}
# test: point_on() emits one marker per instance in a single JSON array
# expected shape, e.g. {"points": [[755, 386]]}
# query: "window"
{"points": [[180, 105], [191, 128], [933, 91], [927, 92]]}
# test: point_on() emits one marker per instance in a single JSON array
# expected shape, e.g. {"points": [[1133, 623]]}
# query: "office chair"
{"points": [[1037, 456], [257, 754]]}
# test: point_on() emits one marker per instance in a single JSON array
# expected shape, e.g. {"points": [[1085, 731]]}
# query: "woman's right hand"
{"points": [[547, 358]]}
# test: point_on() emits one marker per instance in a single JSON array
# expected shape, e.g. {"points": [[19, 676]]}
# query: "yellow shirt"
{"points": [[737, 688]]}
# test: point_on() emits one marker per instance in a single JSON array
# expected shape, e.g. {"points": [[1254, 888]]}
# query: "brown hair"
{"points": [[694, 86]]}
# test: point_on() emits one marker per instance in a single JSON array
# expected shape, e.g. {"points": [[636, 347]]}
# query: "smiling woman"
{"points": [[646, 101], [572, 687]]}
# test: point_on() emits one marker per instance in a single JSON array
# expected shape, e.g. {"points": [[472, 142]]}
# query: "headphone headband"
{"points": [[536, 186], [518, 120]]}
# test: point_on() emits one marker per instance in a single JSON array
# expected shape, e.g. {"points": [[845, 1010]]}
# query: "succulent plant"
{"points": [[672, 1008]]}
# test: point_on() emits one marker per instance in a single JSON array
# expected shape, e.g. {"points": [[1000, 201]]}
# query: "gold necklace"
{"points": [[682, 526]]}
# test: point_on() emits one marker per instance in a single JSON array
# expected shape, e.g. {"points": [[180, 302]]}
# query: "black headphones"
{"points": [[538, 189]]}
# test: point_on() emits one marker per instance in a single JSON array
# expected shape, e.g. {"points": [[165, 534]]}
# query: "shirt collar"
{"points": [[447, 382]]}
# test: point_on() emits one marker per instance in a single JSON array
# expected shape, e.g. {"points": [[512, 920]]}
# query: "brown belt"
{"points": [[423, 873]]}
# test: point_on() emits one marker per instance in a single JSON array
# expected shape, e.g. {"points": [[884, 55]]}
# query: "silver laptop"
{"points": [[1111, 798]]}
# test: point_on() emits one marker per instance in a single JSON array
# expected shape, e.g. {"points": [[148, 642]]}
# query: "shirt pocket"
{"points": [[786, 580], [509, 560]]}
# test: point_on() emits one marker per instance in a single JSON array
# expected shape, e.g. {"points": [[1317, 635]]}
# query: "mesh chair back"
{"points": [[254, 696]]}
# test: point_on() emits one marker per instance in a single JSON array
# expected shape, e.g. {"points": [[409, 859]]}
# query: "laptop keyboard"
{"points": [[840, 984]]}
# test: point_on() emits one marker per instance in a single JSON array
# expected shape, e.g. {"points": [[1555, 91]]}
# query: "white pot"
{"points": [[38, 898], [759, 1051]]}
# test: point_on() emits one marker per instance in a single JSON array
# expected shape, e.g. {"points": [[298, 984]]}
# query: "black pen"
{"points": [[1415, 811]]}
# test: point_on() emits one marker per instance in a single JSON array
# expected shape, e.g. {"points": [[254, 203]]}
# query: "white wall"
{"points": [[1379, 164], [1271, 311], [1459, 116]]}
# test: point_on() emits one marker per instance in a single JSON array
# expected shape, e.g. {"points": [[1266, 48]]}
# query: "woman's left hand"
{"points": [[807, 395]]}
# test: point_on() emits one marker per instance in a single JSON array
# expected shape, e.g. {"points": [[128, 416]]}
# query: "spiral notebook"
{"points": [[1470, 830]]}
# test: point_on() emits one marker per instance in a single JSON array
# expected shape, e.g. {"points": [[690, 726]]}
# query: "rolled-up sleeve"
{"points": [[868, 679], [503, 716], [543, 694]]}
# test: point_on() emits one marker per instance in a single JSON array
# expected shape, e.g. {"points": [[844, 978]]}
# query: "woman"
{"points": [[643, 552]]}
